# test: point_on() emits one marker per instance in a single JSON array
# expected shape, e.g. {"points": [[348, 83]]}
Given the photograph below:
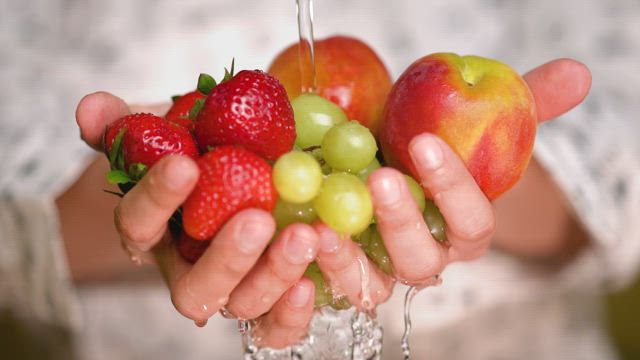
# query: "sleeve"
{"points": [[593, 154], [41, 154]]}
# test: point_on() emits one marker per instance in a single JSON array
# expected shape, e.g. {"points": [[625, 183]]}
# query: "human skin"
{"points": [[557, 87]]}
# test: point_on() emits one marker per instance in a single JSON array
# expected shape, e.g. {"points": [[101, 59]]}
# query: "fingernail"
{"points": [[178, 173], [248, 236], [329, 240], [386, 190], [299, 295], [300, 246], [426, 152]]}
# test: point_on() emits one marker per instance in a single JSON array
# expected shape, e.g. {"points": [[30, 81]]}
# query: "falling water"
{"points": [[306, 50], [408, 298]]}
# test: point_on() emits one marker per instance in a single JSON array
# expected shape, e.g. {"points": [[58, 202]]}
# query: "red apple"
{"points": [[482, 108], [348, 72]]}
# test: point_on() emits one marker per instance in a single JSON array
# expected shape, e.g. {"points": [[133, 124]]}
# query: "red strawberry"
{"points": [[251, 110], [136, 142], [231, 179], [190, 248], [179, 111]]}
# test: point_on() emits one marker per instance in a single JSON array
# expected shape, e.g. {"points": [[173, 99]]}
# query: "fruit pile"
{"points": [[259, 143]]}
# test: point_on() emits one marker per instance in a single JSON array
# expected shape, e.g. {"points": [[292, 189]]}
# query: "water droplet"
{"points": [[309, 256], [136, 260], [201, 323], [243, 326]]}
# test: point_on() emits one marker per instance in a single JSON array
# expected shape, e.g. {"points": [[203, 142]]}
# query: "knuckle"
{"points": [[125, 231], [401, 225], [282, 276], [235, 267], [478, 228], [245, 310], [158, 194]]}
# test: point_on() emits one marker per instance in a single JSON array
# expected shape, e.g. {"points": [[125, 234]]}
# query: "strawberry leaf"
{"points": [[115, 154], [118, 177], [137, 171], [120, 195], [206, 83], [197, 106], [175, 98], [229, 74]]}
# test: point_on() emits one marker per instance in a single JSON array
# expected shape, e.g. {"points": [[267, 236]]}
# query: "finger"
{"points": [[349, 271], [282, 266], [141, 217], [287, 323], [94, 112], [203, 290], [558, 86], [467, 211], [415, 255]]}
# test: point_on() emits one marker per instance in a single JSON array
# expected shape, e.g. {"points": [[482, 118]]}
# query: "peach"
{"points": [[348, 72], [482, 108]]}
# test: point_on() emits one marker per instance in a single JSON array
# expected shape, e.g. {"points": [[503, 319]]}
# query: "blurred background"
{"points": [[52, 52]]}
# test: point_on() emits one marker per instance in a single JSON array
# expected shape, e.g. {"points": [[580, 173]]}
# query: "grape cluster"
{"points": [[324, 178]]}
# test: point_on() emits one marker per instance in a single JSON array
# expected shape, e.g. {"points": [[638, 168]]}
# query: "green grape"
{"points": [[324, 295], [287, 213], [297, 177], [323, 292], [349, 147], [314, 116], [317, 154], [372, 245], [435, 221], [364, 173], [416, 192], [344, 203]]}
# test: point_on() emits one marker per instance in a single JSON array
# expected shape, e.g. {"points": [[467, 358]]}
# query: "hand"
{"points": [[235, 272], [557, 86]]}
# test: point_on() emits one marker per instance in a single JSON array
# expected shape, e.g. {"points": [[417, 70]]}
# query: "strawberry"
{"points": [[181, 109], [251, 110], [231, 179], [136, 142], [190, 248]]}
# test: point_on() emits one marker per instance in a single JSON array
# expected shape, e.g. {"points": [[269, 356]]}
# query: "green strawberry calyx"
{"points": [[118, 173], [206, 83]]}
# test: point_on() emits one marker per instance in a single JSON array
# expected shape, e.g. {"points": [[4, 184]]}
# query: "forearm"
{"points": [[91, 241], [534, 220]]}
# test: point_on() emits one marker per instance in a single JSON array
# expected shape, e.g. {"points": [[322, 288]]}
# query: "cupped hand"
{"points": [[416, 256], [238, 272]]}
